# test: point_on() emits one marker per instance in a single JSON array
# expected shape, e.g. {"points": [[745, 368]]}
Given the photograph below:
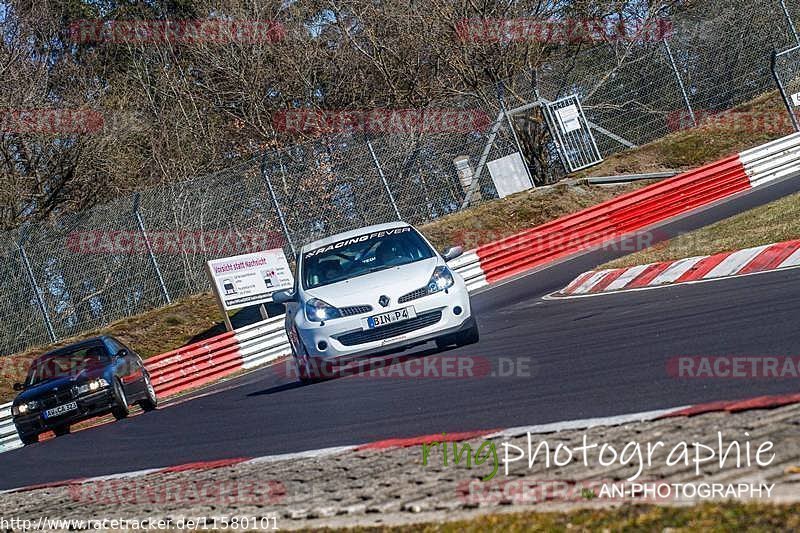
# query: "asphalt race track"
{"points": [[589, 357]]}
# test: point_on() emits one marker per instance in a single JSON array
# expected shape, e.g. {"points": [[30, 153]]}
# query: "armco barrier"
{"points": [[209, 360], [632, 212], [251, 346]]}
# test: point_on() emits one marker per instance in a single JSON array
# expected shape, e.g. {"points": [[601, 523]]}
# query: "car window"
{"points": [[113, 346], [67, 363], [364, 254]]}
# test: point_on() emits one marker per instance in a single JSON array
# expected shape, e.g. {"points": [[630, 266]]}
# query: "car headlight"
{"points": [[442, 279], [24, 408], [319, 311], [91, 386]]}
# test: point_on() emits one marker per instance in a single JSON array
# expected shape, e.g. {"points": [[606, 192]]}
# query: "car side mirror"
{"points": [[452, 252], [122, 354], [19, 387], [283, 296]]}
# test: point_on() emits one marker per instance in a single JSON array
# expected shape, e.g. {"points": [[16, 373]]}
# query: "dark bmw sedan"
{"points": [[90, 378]]}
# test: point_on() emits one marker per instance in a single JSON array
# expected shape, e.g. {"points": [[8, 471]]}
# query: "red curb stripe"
{"points": [[203, 465], [703, 267], [608, 279], [733, 406], [577, 282], [650, 273], [763, 402], [424, 439], [700, 409], [770, 258]]}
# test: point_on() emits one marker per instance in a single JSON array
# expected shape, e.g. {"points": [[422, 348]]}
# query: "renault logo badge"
{"points": [[383, 300]]}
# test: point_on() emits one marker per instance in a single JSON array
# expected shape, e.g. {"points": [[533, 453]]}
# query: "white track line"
{"points": [[585, 423]]}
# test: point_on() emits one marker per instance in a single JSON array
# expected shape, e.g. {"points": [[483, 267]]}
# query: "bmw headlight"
{"points": [[319, 311], [91, 386], [24, 408], [442, 279]]}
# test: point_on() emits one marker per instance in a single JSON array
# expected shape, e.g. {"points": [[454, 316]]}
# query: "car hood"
{"points": [[367, 289], [61, 383]]}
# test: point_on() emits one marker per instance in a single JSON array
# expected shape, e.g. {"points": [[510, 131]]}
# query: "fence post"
{"points": [[140, 223], [265, 175], [680, 81], [501, 99], [36, 291], [383, 178], [782, 89], [790, 21]]}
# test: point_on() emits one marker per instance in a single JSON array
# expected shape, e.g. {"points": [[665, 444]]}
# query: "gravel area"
{"points": [[392, 486]]}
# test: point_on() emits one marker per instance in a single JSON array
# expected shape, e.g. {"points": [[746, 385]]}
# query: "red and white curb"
{"points": [[732, 406], [766, 258]]}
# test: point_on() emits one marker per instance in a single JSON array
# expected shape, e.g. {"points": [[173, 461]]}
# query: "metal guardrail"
{"points": [[640, 209], [627, 178], [260, 343]]}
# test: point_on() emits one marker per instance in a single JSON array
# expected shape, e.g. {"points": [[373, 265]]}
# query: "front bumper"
{"points": [[438, 314], [89, 405]]}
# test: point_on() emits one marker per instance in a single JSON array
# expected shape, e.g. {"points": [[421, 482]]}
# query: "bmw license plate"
{"points": [[61, 410], [384, 319]]}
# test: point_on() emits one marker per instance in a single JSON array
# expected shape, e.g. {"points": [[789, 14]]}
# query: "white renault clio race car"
{"points": [[375, 289]]}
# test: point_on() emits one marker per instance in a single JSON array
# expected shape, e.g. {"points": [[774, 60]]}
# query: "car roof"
{"points": [[93, 341], [352, 233]]}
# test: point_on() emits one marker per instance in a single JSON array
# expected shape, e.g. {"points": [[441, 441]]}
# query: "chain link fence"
{"points": [[139, 252], [786, 70]]}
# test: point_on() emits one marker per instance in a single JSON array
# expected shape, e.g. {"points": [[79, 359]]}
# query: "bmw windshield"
{"points": [[67, 364], [363, 254]]}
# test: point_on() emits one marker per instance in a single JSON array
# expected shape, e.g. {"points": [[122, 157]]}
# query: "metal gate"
{"points": [[786, 70], [571, 133]]}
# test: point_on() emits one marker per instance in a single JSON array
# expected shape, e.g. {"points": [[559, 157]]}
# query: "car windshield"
{"points": [[67, 364], [362, 255]]}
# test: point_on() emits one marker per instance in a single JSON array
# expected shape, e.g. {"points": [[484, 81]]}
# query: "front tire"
{"points": [[471, 335], [29, 439], [306, 370], [120, 409], [151, 400]]}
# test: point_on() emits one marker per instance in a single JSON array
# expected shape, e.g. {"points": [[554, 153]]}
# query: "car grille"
{"points": [[392, 330], [419, 293], [355, 310], [56, 398]]}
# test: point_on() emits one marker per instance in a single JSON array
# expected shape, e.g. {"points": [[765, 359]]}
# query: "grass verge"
{"points": [[709, 517], [773, 222]]}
